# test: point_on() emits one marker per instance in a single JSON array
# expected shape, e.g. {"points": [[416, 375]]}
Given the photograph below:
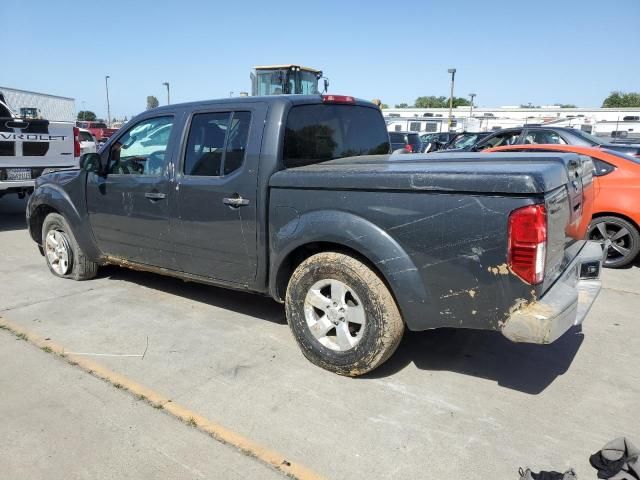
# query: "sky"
{"points": [[508, 52]]}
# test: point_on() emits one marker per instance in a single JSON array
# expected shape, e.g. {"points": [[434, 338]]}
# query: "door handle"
{"points": [[155, 195], [235, 201]]}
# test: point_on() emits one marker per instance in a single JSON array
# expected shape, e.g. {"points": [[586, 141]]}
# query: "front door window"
{"points": [[141, 150]]}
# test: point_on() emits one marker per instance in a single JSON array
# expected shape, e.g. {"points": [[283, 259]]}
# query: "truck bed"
{"points": [[446, 220]]}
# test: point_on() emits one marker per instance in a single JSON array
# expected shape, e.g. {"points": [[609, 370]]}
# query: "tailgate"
{"points": [[36, 143], [568, 215]]}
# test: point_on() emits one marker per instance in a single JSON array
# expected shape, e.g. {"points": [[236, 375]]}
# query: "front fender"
{"points": [[53, 196], [291, 231]]}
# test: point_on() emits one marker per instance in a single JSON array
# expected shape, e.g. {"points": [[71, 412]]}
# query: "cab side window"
{"points": [[141, 151], [544, 137], [216, 144], [237, 142]]}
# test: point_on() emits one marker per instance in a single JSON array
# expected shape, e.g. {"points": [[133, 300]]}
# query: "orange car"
{"points": [[616, 204]]}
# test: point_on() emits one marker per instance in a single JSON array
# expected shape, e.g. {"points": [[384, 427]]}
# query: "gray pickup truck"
{"points": [[298, 197]]}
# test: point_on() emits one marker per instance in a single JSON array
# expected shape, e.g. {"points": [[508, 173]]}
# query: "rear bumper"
{"points": [[563, 305], [16, 185]]}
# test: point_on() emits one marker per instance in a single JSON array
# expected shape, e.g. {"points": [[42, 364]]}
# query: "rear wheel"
{"points": [[623, 238], [64, 256], [342, 315]]}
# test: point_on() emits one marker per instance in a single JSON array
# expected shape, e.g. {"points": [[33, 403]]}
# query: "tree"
{"points": [[440, 102], [431, 102], [152, 102], [619, 99], [566, 105], [529, 105], [87, 115], [384, 105], [460, 102], [402, 105]]}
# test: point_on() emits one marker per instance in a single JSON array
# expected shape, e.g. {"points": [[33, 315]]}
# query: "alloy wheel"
{"points": [[58, 252], [334, 314], [616, 236]]}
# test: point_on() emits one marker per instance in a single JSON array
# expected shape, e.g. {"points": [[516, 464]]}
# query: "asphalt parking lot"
{"points": [[449, 404]]}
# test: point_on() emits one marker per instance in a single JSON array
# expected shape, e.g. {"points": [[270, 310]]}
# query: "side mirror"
{"points": [[90, 162]]}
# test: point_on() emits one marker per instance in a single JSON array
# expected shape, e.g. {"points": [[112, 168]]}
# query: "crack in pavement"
{"points": [[45, 300], [620, 290]]}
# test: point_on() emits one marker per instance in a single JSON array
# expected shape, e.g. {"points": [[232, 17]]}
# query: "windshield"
{"points": [[397, 137], [628, 156], [463, 141], [270, 82], [308, 83], [316, 133]]}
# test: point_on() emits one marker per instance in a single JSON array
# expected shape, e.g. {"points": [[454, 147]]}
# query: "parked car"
{"points": [[29, 147], [547, 135], [97, 129], [464, 139], [88, 143], [435, 141], [409, 141], [297, 197], [616, 216]]}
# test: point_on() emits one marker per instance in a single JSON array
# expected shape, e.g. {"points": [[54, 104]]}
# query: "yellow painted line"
{"points": [[247, 446]]}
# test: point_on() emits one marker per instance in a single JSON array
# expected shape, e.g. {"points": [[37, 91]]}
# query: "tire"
{"points": [[62, 253], [342, 315], [624, 237]]}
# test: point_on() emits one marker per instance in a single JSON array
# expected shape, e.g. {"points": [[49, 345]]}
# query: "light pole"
{"points": [[166, 84], [106, 84], [472, 95], [452, 71]]}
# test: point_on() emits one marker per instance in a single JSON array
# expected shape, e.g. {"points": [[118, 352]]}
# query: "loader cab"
{"points": [[285, 79]]}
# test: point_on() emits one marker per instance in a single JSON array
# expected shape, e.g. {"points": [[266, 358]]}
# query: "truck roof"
{"points": [[269, 67], [291, 99]]}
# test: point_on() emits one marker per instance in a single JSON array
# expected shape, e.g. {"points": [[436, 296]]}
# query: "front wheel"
{"points": [[64, 256], [342, 315], [622, 237]]}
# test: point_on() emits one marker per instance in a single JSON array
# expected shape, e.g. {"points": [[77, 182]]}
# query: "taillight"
{"points": [[409, 148], [338, 99], [528, 242], [76, 142]]}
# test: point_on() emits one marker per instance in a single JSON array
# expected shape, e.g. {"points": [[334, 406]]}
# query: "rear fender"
{"points": [[360, 235]]}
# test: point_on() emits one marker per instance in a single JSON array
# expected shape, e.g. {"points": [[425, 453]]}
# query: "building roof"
{"points": [[36, 93]]}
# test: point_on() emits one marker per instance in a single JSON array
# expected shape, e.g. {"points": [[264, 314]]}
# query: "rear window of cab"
{"points": [[319, 132]]}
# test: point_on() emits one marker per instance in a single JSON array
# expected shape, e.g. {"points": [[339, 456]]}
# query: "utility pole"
{"points": [[166, 84], [472, 95], [106, 84], [452, 71]]}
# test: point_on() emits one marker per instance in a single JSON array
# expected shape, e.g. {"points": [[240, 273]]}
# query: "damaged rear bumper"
{"points": [[564, 305]]}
